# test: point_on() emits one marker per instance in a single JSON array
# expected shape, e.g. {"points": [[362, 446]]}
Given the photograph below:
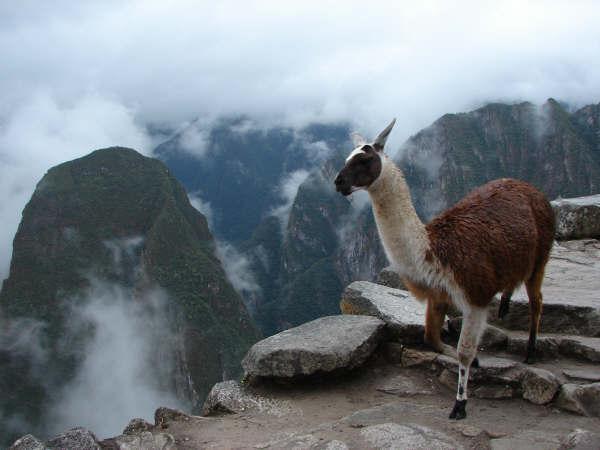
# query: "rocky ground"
{"points": [[363, 380]]}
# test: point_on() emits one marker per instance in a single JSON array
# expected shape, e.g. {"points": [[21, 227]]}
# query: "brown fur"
{"points": [[495, 238]]}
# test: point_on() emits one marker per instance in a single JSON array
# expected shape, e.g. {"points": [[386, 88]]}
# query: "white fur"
{"points": [[353, 153]]}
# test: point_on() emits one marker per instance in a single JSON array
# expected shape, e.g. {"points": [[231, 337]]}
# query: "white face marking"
{"points": [[353, 153]]}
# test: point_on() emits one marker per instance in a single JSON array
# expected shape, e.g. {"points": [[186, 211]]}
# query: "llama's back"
{"points": [[494, 238]]}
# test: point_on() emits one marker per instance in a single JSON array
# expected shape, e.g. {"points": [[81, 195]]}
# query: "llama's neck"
{"points": [[403, 235]]}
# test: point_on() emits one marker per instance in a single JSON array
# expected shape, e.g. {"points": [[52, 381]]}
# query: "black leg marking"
{"points": [[530, 358], [504, 305], [475, 362], [459, 411]]}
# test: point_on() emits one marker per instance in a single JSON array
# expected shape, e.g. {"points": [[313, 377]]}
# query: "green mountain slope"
{"points": [[67, 236]]}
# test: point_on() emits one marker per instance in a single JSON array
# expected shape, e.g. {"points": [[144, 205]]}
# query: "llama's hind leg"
{"points": [[474, 321], [504, 304], [534, 285]]}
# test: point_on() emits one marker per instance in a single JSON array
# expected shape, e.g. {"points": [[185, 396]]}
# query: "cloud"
{"points": [[119, 377], [204, 207], [43, 132], [288, 188], [302, 61], [237, 268]]}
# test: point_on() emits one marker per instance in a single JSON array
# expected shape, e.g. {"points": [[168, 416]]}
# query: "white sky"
{"points": [[75, 76]]}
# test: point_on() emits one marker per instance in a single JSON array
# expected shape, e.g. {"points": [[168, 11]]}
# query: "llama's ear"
{"points": [[379, 142], [357, 139]]}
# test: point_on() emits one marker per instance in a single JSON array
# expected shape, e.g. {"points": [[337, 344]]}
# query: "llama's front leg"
{"points": [[472, 328]]}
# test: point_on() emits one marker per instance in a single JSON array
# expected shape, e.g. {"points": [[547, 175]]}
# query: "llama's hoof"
{"points": [[475, 362], [459, 411]]}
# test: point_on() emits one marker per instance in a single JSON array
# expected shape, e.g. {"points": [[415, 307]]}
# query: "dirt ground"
{"points": [[330, 413]]}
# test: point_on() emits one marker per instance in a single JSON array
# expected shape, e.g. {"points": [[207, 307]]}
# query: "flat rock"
{"points": [[401, 312], [27, 442], [581, 440], [324, 345], [539, 386], [581, 399], [577, 218], [581, 347], [526, 440], [589, 375], [402, 385], [386, 412], [411, 357], [571, 285], [545, 347], [74, 439], [410, 436]]}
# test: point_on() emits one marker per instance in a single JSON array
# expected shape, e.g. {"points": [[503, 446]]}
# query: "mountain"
{"points": [[237, 166], [121, 218], [553, 149]]}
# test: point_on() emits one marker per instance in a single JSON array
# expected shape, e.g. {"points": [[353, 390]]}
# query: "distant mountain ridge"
{"points": [[557, 151]]}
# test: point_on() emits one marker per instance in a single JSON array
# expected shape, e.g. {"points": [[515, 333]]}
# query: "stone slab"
{"points": [[402, 313], [324, 345]]}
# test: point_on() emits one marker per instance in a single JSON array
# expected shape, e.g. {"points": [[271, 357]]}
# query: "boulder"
{"points": [[137, 425], [74, 439], [27, 442], [144, 440], [324, 345], [577, 218], [581, 399], [539, 386], [402, 313], [390, 278], [163, 416], [393, 435], [229, 397]]}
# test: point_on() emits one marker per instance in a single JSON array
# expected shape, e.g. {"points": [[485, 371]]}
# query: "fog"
{"points": [[128, 366], [126, 346]]}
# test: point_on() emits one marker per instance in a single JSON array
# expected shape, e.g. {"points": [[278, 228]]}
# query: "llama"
{"points": [[497, 237]]}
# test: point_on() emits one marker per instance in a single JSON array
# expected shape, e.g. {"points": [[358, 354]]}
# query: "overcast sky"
{"points": [[75, 76]]}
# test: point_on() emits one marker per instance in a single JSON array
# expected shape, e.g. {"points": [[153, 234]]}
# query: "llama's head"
{"points": [[363, 164]]}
